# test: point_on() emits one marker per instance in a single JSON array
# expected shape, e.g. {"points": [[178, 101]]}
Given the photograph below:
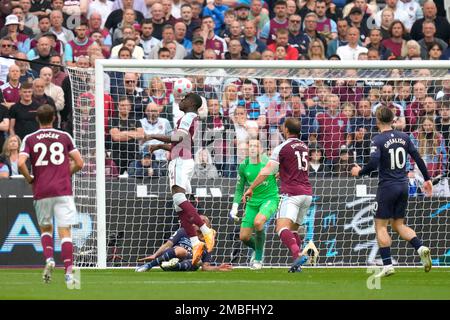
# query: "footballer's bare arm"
{"points": [[77, 163], [152, 148], [177, 136], [23, 169]]}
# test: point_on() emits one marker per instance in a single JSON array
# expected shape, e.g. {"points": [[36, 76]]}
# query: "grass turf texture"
{"points": [[314, 283]]}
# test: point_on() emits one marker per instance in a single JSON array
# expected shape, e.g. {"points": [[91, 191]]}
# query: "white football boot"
{"points": [[256, 265], [48, 270], [425, 257], [169, 264], [386, 271]]}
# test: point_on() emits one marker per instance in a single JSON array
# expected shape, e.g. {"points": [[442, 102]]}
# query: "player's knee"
{"points": [[384, 242], [178, 198], [46, 229], [259, 223], [177, 189], [180, 252], [280, 229], [244, 237]]}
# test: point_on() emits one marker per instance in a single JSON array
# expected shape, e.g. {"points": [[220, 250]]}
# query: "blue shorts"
{"points": [[392, 202]]}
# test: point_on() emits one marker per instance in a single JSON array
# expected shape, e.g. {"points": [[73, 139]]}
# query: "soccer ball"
{"points": [[182, 86]]}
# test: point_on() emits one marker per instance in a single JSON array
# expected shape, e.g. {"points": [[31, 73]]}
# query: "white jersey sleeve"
{"points": [[276, 153], [187, 121]]}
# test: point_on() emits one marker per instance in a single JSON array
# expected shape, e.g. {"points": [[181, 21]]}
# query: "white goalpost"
{"points": [[125, 216]]}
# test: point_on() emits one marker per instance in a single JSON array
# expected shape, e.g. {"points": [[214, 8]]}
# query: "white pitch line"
{"points": [[164, 282], [311, 271]]}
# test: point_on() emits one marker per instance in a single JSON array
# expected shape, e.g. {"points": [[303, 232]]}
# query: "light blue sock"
{"points": [[303, 259]]}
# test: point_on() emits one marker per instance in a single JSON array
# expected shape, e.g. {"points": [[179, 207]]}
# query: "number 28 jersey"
{"points": [[48, 151], [293, 159]]}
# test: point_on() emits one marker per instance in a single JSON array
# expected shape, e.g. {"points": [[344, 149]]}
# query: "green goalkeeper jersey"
{"points": [[247, 174]]}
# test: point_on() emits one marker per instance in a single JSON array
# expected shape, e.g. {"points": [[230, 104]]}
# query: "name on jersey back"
{"points": [[300, 144], [49, 135], [394, 140]]}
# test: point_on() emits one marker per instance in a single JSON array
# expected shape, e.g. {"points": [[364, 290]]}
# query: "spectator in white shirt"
{"points": [[138, 5], [154, 124], [399, 14], [137, 51], [63, 34], [352, 50], [52, 90], [30, 20], [102, 7], [6, 50], [148, 42], [168, 36], [412, 9]]}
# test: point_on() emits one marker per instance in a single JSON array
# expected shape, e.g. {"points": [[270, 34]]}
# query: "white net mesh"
{"points": [[336, 109]]}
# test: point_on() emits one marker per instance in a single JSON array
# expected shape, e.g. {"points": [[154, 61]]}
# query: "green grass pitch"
{"points": [[267, 284]]}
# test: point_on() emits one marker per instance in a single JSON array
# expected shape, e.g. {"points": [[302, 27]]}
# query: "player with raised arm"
{"points": [[181, 169], [388, 153], [176, 254], [291, 159], [50, 152], [260, 207]]}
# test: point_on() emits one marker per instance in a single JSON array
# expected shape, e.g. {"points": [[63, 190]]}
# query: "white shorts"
{"points": [[180, 173], [294, 208], [62, 208]]}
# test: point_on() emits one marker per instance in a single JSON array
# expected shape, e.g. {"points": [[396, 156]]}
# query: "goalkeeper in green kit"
{"points": [[262, 205]]}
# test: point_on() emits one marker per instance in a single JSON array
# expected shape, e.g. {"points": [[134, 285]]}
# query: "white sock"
{"points": [[204, 229], [194, 240]]}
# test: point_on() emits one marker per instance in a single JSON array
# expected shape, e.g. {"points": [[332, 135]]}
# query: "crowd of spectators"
{"points": [[38, 39]]}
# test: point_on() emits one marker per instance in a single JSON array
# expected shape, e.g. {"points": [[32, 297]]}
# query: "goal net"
{"points": [[123, 194]]}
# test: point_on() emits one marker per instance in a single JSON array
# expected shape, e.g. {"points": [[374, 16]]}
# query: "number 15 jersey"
{"points": [[48, 151], [293, 159]]}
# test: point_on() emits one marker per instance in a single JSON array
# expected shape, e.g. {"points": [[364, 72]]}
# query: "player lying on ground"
{"points": [[176, 264], [181, 169], [291, 159], [262, 205], [50, 152], [388, 151], [177, 250]]}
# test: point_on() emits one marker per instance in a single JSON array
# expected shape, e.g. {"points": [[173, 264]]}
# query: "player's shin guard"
{"points": [[193, 216], [385, 254], [289, 241], [187, 213], [67, 254], [184, 265], [187, 226], [259, 244], [47, 245], [416, 243], [297, 239]]}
